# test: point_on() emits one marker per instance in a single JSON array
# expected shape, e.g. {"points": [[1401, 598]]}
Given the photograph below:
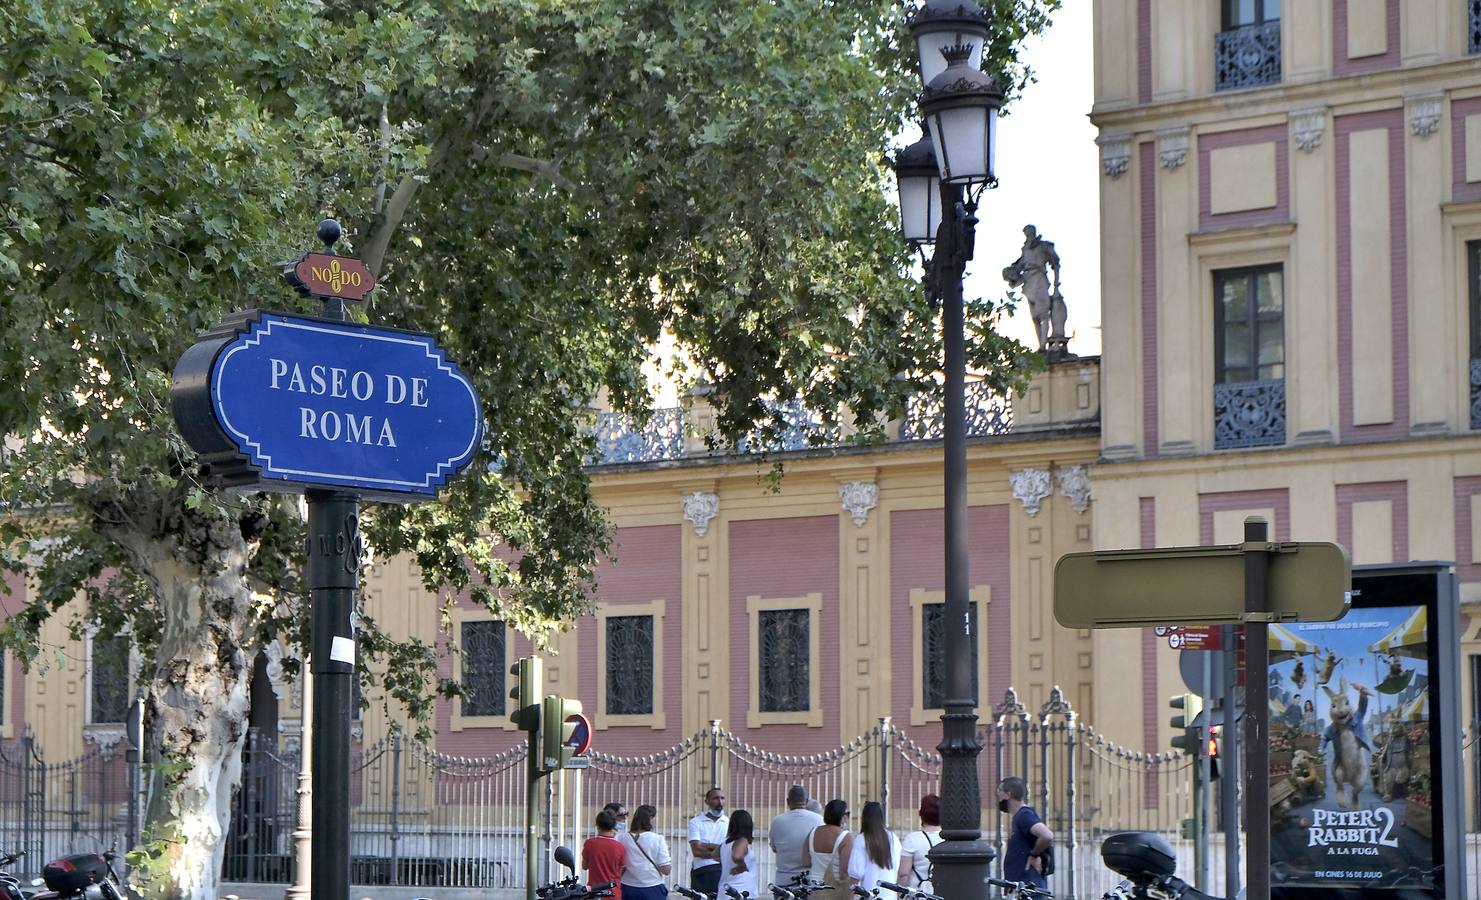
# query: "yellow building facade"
{"points": [[1290, 235]]}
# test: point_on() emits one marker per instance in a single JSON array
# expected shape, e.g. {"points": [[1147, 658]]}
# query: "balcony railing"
{"points": [[1474, 43], [1476, 393], [1250, 414], [621, 440], [1247, 57]]}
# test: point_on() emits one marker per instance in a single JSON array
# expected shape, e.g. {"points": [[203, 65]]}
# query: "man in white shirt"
{"points": [[788, 832], [706, 837], [915, 867]]}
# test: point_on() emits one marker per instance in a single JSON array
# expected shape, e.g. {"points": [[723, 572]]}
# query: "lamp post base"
{"points": [[960, 869]]}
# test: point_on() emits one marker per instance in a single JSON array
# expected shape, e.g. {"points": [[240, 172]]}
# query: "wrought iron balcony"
{"points": [[1474, 44], [620, 440], [1250, 414], [987, 413], [1248, 56], [1476, 393]]}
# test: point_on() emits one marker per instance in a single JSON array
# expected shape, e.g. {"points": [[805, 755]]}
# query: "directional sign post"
{"points": [[336, 411], [1254, 583]]}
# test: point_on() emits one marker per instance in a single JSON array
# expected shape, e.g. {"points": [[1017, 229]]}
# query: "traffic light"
{"points": [[529, 679], [1191, 739], [556, 732], [1214, 734]]}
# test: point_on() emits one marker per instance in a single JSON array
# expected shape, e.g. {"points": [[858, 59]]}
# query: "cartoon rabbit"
{"points": [[1349, 741]]}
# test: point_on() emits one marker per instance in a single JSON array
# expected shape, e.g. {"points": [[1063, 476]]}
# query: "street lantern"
{"points": [[919, 184], [947, 23], [960, 106]]}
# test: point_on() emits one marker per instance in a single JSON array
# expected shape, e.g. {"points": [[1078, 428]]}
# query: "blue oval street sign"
{"points": [[279, 402]]}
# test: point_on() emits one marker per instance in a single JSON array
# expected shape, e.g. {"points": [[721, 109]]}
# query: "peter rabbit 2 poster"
{"points": [[1350, 725]]}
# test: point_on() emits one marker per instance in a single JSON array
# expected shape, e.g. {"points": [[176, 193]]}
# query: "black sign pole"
{"points": [[334, 577], [1257, 709]]}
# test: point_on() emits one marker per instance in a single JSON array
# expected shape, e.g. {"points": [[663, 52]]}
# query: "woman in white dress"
{"points": [[648, 858], [737, 861], [825, 853], [875, 855]]}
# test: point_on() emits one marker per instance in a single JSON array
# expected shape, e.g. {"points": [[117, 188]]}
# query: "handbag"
{"points": [[638, 842]]}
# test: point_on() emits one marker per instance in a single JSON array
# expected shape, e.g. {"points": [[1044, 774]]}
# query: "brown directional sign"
{"points": [[326, 275], [1307, 582]]}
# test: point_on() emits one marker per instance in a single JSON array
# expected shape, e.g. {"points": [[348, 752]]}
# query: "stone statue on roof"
{"points": [[1045, 302]]}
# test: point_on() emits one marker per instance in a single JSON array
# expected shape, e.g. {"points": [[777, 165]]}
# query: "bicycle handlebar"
{"points": [[908, 892], [1019, 888], [691, 894]]}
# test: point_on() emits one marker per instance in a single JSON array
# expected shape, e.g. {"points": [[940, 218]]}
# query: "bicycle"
{"points": [[690, 893], [908, 893], [570, 888], [1020, 889]]}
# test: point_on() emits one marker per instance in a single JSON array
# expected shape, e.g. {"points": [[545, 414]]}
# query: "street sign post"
{"points": [[1253, 583], [1198, 586], [336, 411]]}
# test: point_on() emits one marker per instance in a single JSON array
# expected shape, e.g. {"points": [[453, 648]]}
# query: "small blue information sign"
{"points": [[279, 402]]}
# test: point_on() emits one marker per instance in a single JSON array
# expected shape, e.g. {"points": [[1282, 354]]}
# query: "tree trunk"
{"points": [[196, 699]]}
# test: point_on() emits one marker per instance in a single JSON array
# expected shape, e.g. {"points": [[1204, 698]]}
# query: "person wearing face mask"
{"points": [[1029, 839], [619, 813], [706, 836]]}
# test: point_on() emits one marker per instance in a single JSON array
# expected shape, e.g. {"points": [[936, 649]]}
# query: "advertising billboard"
{"points": [[1359, 722]]}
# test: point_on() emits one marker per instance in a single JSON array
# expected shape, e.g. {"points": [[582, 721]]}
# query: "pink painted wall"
{"points": [[918, 561], [1466, 568], [1278, 499], [1398, 248], [1341, 65], [1147, 161], [1151, 706], [785, 558], [1460, 189], [645, 565], [483, 741], [1280, 212], [1395, 492]]}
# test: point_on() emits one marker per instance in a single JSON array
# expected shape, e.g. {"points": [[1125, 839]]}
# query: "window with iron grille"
{"points": [[1249, 318], [1247, 50], [933, 654], [1249, 358], [483, 667], [784, 650], [629, 665], [1474, 27], [109, 670]]}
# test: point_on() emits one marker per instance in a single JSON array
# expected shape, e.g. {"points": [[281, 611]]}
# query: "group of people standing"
{"points": [[808, 839]]}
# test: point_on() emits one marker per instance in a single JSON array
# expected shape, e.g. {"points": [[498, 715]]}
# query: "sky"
{"points": [[1048, 171]]}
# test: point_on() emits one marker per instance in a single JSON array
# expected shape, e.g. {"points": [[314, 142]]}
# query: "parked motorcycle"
{"points": [[10, 886], [569, 888], [89, 876], [1147, 862]]}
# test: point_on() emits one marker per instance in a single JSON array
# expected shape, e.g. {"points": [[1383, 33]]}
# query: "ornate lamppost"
{"points": [[940, 180]]}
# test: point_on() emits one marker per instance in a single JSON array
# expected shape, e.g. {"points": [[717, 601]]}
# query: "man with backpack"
{"points": [[1029, 855]]}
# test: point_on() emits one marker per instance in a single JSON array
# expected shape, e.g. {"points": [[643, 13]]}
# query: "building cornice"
{"points": [[1279, 99], [1410, 448]]}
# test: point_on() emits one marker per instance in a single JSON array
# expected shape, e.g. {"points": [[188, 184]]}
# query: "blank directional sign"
{"points": [[1307, 582]]}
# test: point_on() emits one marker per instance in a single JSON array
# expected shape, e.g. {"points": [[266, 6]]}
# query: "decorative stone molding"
{"points": [[1074, 483], [107, 737], [1424, 113], [699, 508], [273, 652], [1308, 126], [858, 498], [1030, 487], [1172, 147], [1115, 154]]}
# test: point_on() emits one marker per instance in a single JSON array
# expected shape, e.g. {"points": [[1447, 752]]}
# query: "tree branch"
{"points": [[548, 170], [396, 207]]}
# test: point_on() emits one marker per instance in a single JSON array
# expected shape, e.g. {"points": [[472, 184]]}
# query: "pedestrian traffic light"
{"points": [[1190, 741], [528, 684], [556, 731], [1214, 735]]}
